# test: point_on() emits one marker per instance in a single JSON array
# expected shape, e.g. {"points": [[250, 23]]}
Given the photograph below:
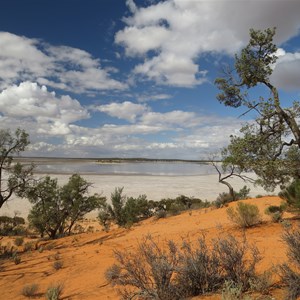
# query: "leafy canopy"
{"points": [[270, 145]]}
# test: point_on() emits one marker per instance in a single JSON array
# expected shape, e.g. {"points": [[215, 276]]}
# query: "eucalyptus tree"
{"points": [[270, 145], [14, 177]]}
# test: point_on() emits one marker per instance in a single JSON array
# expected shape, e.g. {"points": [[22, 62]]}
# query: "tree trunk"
{"points": [[231, 191]]}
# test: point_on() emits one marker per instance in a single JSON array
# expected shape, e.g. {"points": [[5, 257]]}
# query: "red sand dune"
{"points": [[86, 256]]}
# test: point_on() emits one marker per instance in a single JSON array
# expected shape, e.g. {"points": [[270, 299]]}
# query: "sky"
{"points": [[133, 78]]}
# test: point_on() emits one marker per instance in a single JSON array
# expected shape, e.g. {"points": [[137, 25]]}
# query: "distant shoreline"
{"points": [[107, 160]]}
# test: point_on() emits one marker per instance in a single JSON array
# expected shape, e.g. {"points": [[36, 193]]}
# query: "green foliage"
{"points": [[57, 209], [291, 194], [225, 198], [244, 215], [19, 176], [275, 212], [243, 193], [11, 225], [271, 145]]}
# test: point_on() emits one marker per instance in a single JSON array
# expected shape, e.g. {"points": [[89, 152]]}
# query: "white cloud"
{"points": [[178, 32], [125, 110], [154, 97], [67, 68], [176, 118], [286, 73], [33, 102]]}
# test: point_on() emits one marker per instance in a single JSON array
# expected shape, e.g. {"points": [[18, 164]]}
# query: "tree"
{"points": [[271, 145], [56, 209], [14, 178], [228, 169]]}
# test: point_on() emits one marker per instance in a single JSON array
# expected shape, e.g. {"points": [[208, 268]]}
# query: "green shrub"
{"points": [[243, 193], [223, 199], [54, 292], [30, 290], [275, 212], [291, 194], [11, 226], [244, 215]]}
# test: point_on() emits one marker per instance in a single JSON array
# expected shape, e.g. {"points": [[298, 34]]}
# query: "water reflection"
{"points": [[126, 168]]}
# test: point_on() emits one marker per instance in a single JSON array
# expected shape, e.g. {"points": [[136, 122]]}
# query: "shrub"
{"points": [[54, 292], [243, 193], [16, 258], [291, 276], [199, 271], [160, 214], [19, 241], [30, 290], [237, 260], [223, 199], [291, 194], [275, 212], [244, 215], [58, 264], [11, 226], [7, 251], [155, 272], [147, 273]]}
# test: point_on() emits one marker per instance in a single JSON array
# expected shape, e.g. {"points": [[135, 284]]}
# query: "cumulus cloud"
{"points": [[125, 110], [33, 102], [286, 73], [178, 32], [66, 68]]}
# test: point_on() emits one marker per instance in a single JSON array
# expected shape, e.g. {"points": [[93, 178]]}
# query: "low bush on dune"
{"points": [[244, 215], [30, 291], [275, 212], [224, 198], [170, 272], [291, 274]]}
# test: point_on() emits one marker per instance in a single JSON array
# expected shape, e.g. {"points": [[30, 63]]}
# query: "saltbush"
{"points": [[159, 272]]}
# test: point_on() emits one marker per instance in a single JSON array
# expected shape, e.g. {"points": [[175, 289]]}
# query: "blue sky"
{"points": [[109, 78]]}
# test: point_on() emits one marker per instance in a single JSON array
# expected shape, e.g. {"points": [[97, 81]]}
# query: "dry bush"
{"points": [[148, 272], [154, 272], [291, 276], [238, 260], [30, 291]]}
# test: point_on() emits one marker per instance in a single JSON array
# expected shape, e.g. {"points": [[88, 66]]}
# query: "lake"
{"points": [[155, 168]]}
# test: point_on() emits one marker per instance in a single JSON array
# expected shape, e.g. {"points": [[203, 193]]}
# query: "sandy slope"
{"points": [[86, 256]]}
